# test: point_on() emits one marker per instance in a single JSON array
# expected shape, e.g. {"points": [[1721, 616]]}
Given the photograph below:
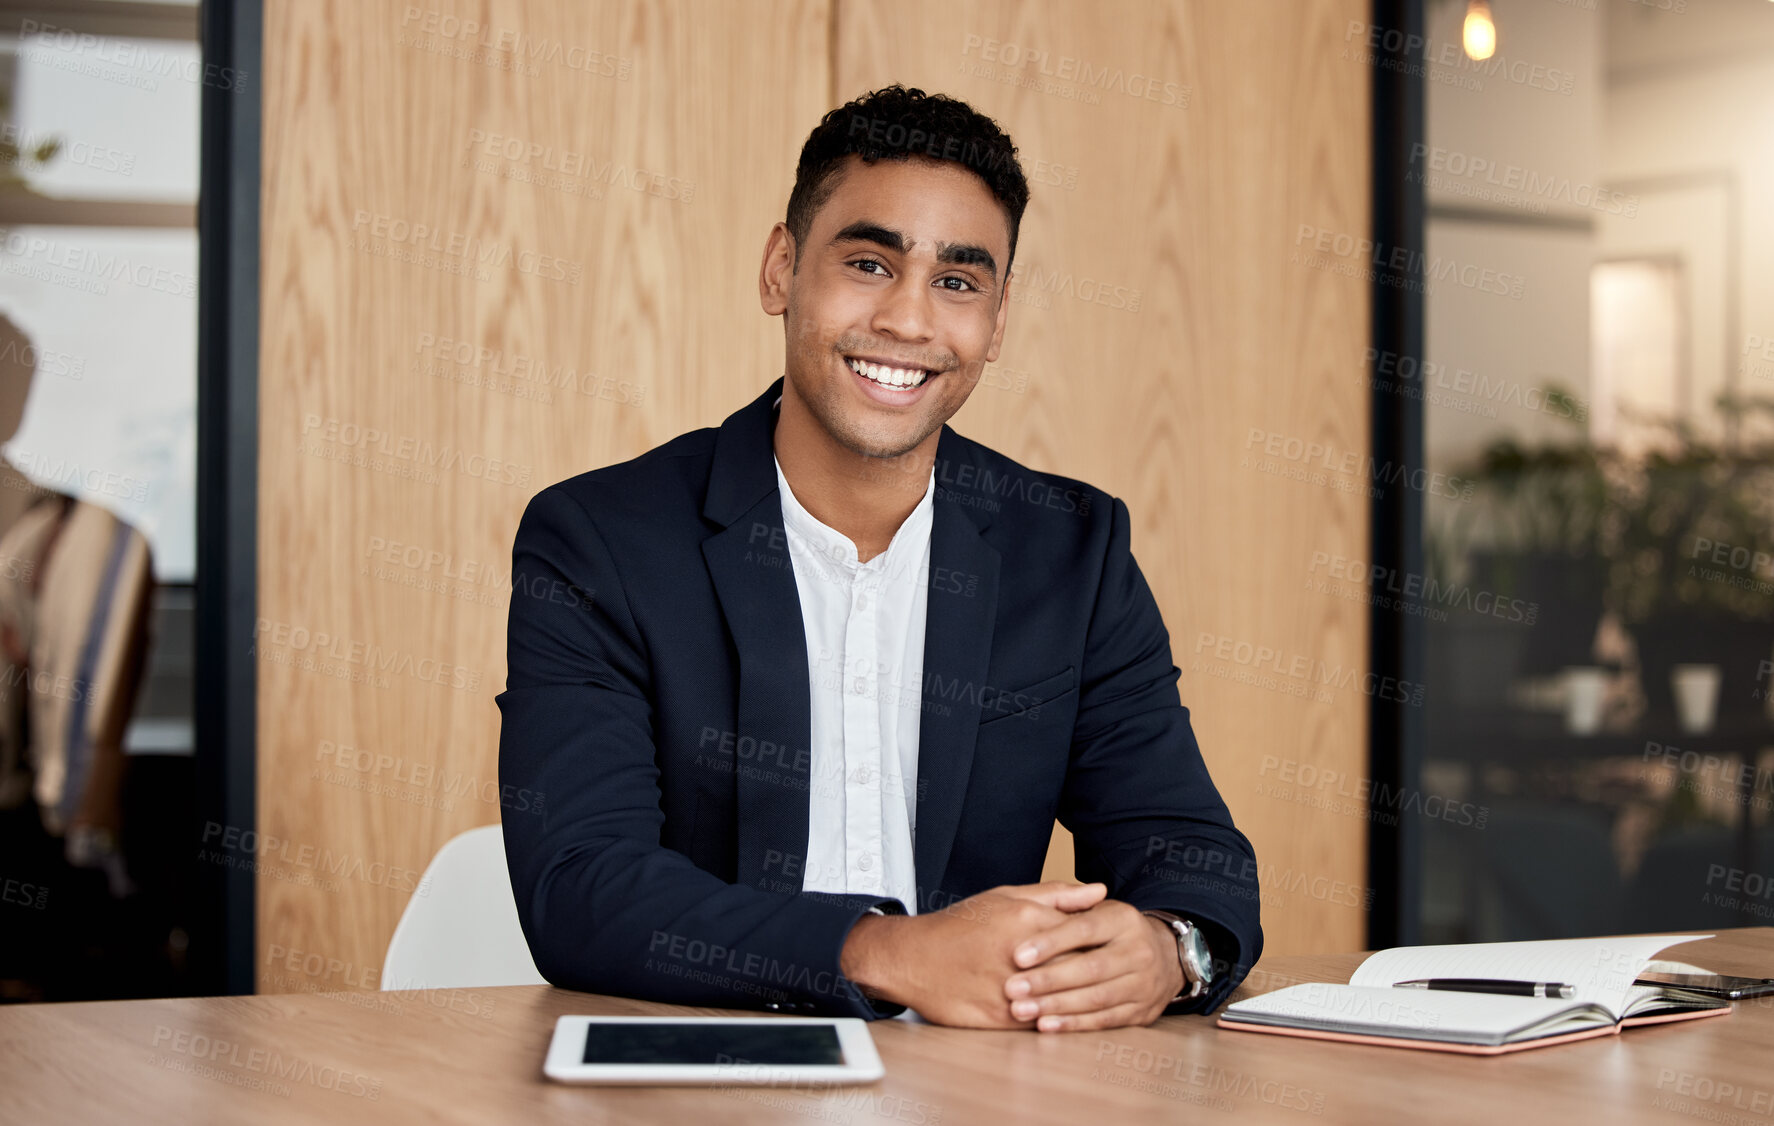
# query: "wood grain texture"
{"points": [[594, 182], [476, 1056], [658, 181]]}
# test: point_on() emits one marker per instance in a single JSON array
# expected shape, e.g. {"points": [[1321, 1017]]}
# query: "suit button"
{"points": [[773, 1007]]}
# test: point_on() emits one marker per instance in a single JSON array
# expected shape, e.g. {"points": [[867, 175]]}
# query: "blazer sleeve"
{"points": [[1146, 817], [604, 906]]}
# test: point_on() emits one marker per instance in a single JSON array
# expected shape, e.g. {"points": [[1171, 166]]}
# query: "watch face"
{"points": [[1198, 954]]}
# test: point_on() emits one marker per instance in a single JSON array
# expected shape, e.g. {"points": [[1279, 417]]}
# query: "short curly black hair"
{"points": [[896, 123]]}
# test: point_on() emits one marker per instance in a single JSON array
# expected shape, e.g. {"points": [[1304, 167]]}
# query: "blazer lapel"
{"points": [[755, 582], [957, 653]]}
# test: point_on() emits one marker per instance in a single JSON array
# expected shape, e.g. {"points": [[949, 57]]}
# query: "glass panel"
{"points": [[98, 363], [1601, 633]]}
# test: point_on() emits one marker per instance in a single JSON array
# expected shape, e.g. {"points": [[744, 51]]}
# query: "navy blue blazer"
{"points": [[658, 706]]}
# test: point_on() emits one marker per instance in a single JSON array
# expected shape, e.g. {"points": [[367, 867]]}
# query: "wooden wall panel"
{"points": [[594, 182], [612, 258]]}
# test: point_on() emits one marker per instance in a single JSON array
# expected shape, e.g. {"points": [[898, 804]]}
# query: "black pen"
{"points": [[1490, 985]]}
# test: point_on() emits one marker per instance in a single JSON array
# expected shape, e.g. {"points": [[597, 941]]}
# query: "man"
{"points": [[803, 728]]}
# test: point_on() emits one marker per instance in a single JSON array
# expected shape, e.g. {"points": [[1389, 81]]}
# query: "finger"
{"points": [[1057, 974], [1061, 894], [1126, 989], [1118, 1017], [1080, 897], [1086, 928], [1074, 970]]}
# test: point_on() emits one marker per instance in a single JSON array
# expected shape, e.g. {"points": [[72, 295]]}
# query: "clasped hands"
{"points": [[1057, 956]]}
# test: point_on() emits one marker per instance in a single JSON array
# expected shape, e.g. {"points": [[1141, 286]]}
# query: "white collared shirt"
{"points": [[865, 659]]}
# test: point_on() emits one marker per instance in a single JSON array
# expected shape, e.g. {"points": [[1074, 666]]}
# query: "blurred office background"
{"points": [[1599, 652], [98, 353], [1588, 740]]}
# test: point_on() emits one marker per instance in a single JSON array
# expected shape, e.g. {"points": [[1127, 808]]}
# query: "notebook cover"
{"points": [[1427, 1045], [1665, 1018]]}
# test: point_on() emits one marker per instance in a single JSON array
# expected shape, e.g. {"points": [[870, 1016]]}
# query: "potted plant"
{"points": [[1534, 529], [1693, 567]]}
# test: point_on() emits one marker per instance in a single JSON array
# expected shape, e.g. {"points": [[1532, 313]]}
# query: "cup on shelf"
{"points": [[1586, 689], [1696, 689]]}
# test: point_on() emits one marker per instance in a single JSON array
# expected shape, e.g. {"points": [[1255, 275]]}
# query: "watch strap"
{"points": [[1194, 984]]}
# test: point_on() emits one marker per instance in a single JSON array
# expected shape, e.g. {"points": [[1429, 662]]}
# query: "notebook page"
{"points": [[1601, 969], [1646, 999], [1649, 998], [1461, 1018]]}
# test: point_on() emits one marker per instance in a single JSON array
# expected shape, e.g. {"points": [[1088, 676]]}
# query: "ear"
{"points": [[776, 272]]}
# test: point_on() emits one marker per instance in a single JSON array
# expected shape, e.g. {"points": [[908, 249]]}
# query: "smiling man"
{"points": [[825, 675]]}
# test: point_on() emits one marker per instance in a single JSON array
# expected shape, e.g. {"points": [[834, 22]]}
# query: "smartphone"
{"points": [[1712, 985]]}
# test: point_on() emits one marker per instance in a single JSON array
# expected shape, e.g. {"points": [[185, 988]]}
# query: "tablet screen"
{"points": [[761, 1043]]}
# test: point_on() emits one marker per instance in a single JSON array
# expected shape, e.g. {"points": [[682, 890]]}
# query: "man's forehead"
{"points": [[861, 200]]}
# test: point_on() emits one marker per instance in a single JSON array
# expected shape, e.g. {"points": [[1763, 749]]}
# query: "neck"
{"points": [[864, 498]]}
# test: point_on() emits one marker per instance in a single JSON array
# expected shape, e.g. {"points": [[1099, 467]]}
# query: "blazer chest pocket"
{"points": [[1030, 702]]}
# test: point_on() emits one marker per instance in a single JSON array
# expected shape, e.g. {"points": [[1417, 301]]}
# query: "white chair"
{"points": [[460, 928]]}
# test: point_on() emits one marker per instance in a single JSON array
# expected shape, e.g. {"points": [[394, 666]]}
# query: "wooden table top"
{"points": [[475, 1056]]}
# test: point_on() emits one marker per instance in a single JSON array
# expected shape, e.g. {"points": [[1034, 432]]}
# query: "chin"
{"points": [[859, 438], [875, 445]]}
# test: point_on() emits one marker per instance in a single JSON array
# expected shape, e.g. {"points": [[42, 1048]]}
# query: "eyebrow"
{"points": [[952, 253]]}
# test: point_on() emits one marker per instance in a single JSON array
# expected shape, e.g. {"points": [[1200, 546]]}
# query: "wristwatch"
{"points": [[1192, 952]]}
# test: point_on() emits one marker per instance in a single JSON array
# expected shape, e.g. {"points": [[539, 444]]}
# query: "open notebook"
{"points": [[1371, 1010]]}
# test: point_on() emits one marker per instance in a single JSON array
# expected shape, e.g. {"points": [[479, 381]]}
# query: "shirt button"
{"points": [[866, 861]]}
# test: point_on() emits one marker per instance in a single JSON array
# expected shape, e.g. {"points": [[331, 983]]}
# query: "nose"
{"points": [[904, 311]]}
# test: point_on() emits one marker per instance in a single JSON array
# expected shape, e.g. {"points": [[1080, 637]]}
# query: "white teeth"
{"points": [[892, 377]]}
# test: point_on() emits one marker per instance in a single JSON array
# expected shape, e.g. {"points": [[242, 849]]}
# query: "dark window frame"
{"points": [[226, 714], [1396, 641]]}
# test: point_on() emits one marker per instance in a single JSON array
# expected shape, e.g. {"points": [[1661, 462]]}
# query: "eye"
{"points": [[860, 262], [963, 281]]}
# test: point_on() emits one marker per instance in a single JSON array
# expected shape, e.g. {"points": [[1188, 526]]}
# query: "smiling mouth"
{"points": [[898, 378]]}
